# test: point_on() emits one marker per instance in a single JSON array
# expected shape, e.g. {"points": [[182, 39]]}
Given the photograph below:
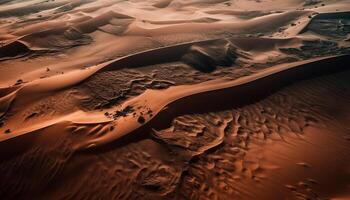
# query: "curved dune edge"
{"points": [[57, 82], [148, 57], [14, 49], [165, 104], [254, 25], [45, 86], [276, 19], [196, 97], [173, 99], [26, 40], [40, 87]]}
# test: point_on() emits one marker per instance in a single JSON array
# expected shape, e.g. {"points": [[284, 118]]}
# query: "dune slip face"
{"points": [[175, 99]]}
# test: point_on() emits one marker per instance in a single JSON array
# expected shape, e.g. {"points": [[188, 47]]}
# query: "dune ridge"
{"points": [[179, 94], [174, 99]]}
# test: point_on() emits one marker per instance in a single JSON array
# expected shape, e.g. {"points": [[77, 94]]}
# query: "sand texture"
{"points": [[175, 99]]}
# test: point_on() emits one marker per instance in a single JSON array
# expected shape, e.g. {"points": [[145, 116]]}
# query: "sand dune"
{"points": [[14, 49], [174, 99]]}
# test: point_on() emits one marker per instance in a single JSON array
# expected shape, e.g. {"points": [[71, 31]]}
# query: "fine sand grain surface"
{"points": [[175, 99]]}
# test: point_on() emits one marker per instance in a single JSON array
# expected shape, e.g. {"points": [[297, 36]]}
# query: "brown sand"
{"points": [[175, 99]]}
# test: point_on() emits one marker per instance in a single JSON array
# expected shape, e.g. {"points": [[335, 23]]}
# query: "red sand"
{"points": [[174, 99]]}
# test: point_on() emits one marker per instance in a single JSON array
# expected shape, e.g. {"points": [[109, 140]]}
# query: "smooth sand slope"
{"points": [[175, 99]]}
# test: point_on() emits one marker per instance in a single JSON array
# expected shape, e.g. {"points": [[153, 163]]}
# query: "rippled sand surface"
{"points": [[175, 99]]}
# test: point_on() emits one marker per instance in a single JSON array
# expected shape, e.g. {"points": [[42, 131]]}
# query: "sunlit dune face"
{"points": [[175, 99]]}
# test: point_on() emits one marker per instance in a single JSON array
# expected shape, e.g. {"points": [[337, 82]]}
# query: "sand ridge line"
{"points": [[130, 123]]}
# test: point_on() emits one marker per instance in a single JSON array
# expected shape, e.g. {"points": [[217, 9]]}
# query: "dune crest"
{"points": [[174, 99]]}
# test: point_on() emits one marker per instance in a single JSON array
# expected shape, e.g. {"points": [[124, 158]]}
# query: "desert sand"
{"points": [[175, 99]]}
